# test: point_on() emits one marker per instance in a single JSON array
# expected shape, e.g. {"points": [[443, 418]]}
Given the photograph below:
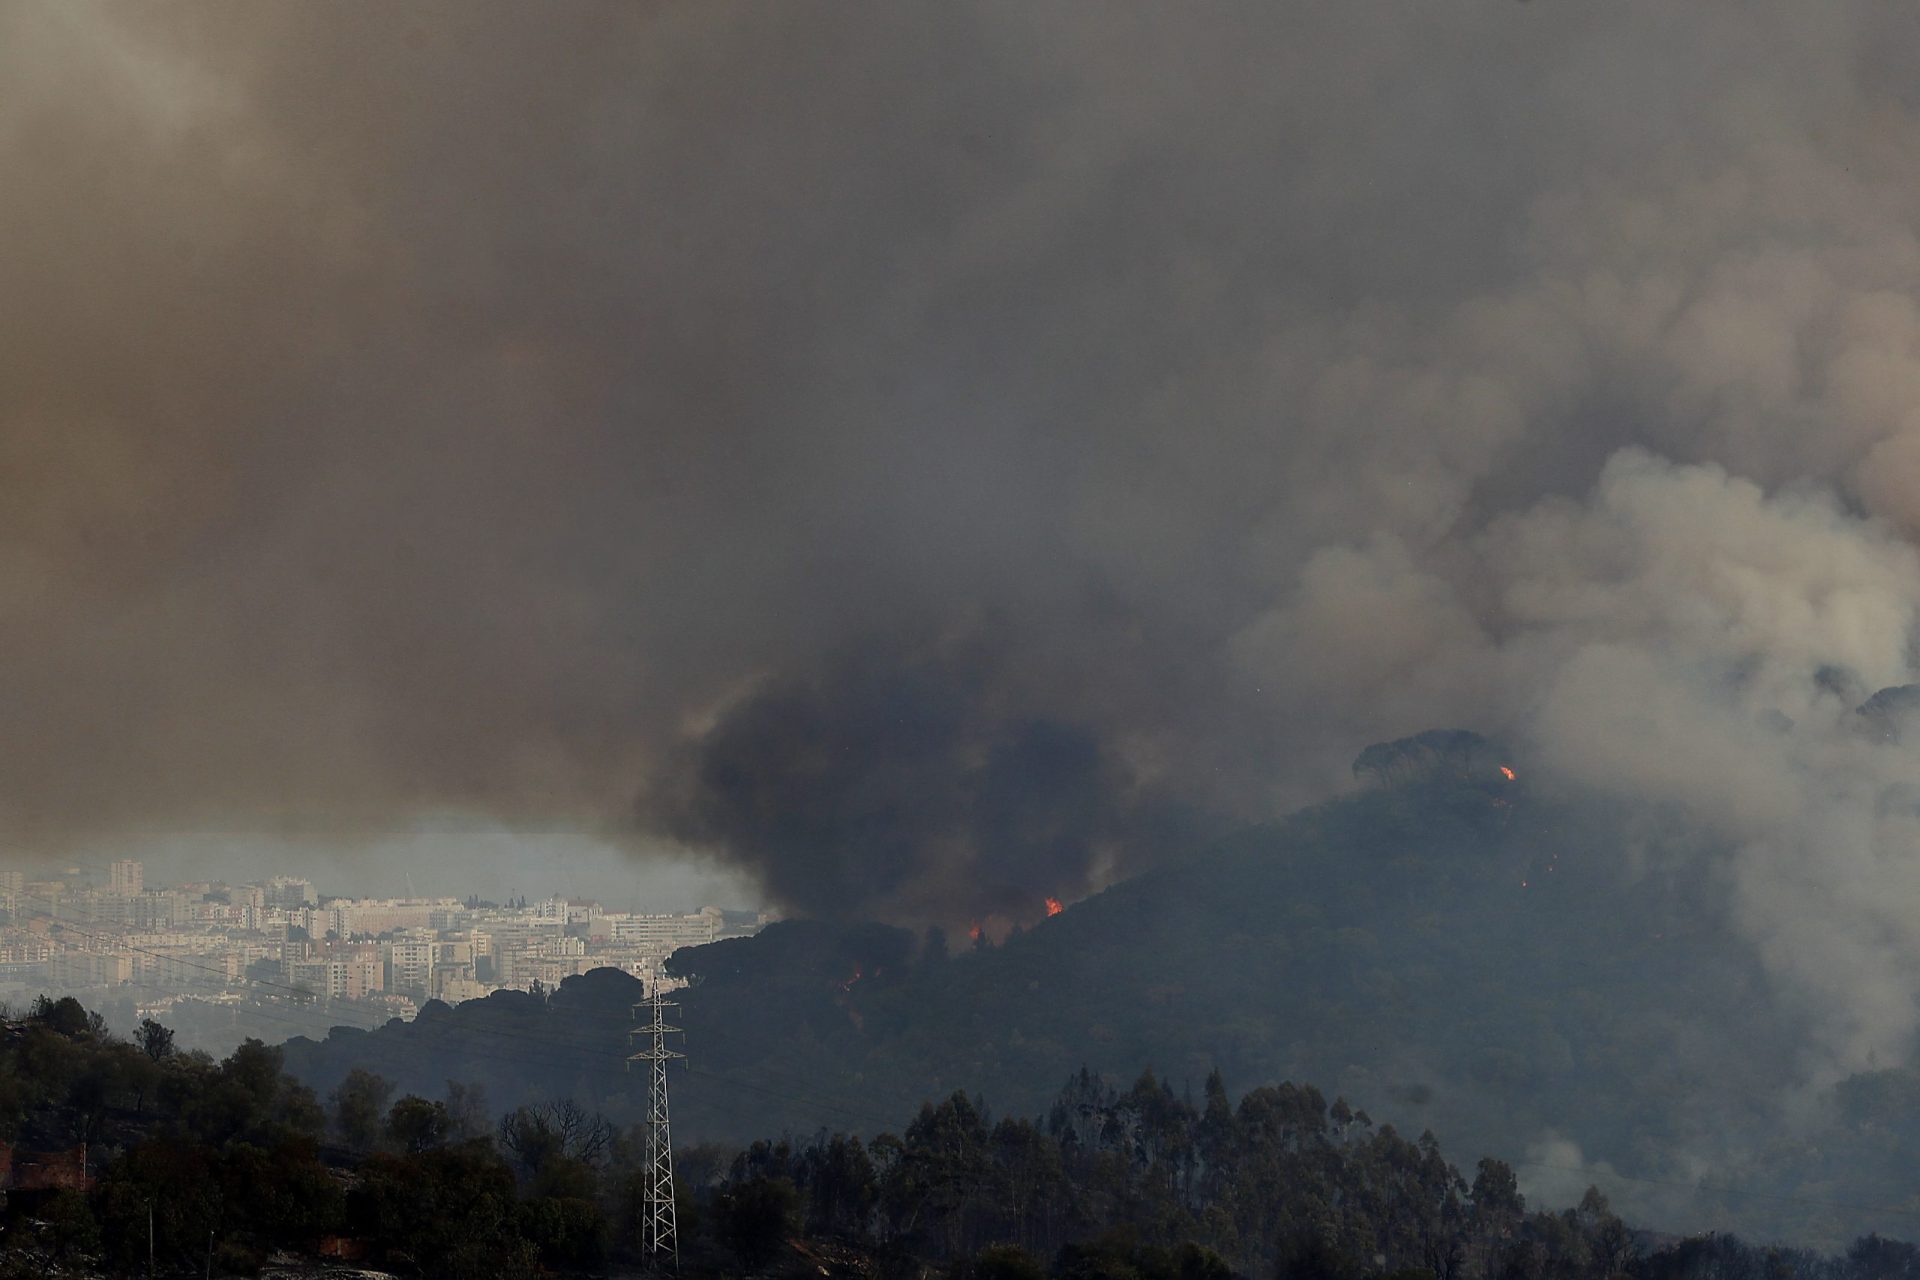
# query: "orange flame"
{"points": [[1053, 906], [1508, 772], [973, 931]]}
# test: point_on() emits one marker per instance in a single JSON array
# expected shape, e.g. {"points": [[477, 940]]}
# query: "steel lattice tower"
{"points": [[658, 1239]]}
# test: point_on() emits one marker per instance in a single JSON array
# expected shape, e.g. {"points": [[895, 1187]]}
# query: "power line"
{"points": [[791, 1097]]}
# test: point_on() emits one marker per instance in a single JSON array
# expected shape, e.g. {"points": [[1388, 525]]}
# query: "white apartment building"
{"points": [[664, 934], [88, 969], [185, 968], [160, 909], [454, 988], [347, 916], [289, 891], [25, 949], [452, 953], [410, 964], [349, 979]]}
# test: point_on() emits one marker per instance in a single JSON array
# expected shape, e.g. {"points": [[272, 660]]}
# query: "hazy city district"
{"points": [[275, 958]]}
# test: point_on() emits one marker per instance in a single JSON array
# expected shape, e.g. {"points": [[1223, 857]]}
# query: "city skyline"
{"points": [[278, 955]]}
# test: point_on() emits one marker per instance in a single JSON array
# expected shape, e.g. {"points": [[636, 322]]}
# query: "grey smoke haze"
{"points": [[785, 430]]}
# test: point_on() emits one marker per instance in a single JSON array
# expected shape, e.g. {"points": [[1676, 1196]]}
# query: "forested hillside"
{"points": [[126, 1158], [1475, 957]]}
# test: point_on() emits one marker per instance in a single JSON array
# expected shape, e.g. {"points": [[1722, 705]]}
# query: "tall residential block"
{"points": [[127, 876]]}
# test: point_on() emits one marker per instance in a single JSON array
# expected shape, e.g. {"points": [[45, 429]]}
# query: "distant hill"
{"points": [[1469, 955]]}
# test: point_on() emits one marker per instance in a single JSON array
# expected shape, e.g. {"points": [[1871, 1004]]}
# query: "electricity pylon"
{"points": [[658, 1239]]}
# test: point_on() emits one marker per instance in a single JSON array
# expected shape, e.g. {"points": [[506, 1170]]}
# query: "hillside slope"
{"points": [[1482, 959]]}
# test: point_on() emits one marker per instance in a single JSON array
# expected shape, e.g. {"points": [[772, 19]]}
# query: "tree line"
{"points": [[1145, 1184], [194, 1166]]}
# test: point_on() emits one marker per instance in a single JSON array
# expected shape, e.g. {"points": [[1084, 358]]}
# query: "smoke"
{"points": [[1557, 1173], [915, 784], [932, 459]]}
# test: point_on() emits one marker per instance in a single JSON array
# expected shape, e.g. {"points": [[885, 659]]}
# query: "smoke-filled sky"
{"points": [[931, 456]]}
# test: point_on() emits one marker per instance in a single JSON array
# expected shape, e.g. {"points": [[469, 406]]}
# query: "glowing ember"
{"points": [[974, 931], [1508, 772], [1053, 907]]}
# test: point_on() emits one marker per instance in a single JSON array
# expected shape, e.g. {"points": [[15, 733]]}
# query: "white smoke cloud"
{"points": [[1555, 1173], [1680, 636]]}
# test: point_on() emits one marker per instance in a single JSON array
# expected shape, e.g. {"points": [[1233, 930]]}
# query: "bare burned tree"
{"points": [[564, 1130], [584, 1135]]}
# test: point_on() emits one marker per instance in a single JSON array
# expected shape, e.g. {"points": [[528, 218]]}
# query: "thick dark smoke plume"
{"points": [[915, 782], [934, 455]]}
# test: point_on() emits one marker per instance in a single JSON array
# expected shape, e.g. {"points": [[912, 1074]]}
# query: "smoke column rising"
{"points": [[937, 458]]}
